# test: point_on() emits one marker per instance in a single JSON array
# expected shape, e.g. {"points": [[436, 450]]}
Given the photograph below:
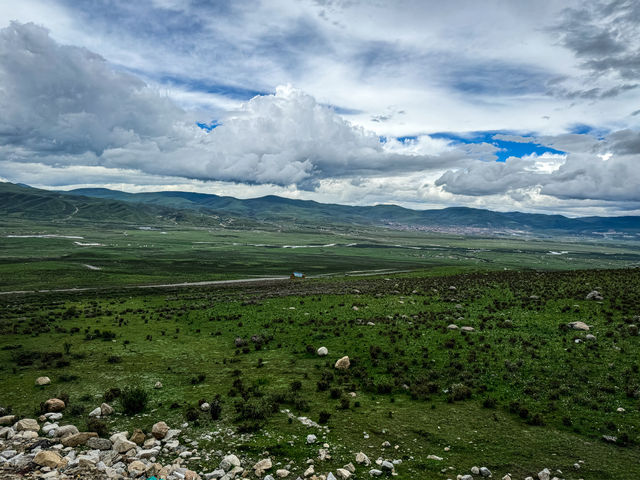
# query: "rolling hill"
{"points": [[188, 208]]}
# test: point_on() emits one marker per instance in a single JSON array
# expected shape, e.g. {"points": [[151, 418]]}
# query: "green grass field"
{"points": [[117, 255], [516, 395]]}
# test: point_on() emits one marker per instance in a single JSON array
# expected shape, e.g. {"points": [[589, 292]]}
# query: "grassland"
{"points": [[516, 395], [45, 256]]}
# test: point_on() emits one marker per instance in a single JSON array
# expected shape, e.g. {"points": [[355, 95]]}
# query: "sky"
{"points": [[506, 105]]}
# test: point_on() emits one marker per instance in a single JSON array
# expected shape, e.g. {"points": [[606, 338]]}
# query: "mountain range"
{"points": [[150, 208]]}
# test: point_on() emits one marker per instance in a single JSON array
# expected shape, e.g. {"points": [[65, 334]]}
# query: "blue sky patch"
{"points": [[505, 149]]}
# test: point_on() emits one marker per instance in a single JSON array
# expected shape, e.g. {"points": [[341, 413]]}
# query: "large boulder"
{"points": [[27, 424], [46, 458], [42, 381], [160, 430], [8, 420], [54, 405], [78, 439], [122, 445], [343, 363], [96, 443]]}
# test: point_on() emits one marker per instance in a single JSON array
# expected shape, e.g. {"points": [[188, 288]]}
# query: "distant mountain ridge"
{"points": [[151, 208], [274, 208]]}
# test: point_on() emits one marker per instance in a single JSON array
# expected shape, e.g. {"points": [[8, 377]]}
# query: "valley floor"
{"points": [[516, 391]]}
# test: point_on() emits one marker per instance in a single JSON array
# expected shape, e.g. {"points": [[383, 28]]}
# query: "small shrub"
{"points": [[216, 408], [324, 417], [112, 394], [459, 391], [114, 359], [134, 400], [98, 426], [489, 402], [77, 410], [192, 414]]}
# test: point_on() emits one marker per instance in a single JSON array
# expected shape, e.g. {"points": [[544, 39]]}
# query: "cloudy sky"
{"points": [[508, 105]]}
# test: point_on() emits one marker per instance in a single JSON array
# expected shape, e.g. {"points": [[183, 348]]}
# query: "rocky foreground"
{"points": [[43, 449]]}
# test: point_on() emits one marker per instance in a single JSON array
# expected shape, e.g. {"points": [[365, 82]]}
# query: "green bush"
{"points": [[134, 400]]}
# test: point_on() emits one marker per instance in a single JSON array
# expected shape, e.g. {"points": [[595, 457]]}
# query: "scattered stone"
{"points": [[261, 466], [343, 473], [467, 329], [97, 443], [578, 326], [282, 473], [343, 363], [506, 477], [42, 381], [66, 430], [106, 409], [309, 471], [475, 470], [158, 385], [362, 459], [191, 475], [205, 407], [136, 467], [96, 412], [434, 457], [387, 465], [160, 430], [590, 337], [137, 437], [453, 326], [544, 474], [485, 472], [47, 458], [374, 472], [323, 352], [620, 410], [609, 438], [229, 462], [311, 438], [594, 295], [386, 444]]}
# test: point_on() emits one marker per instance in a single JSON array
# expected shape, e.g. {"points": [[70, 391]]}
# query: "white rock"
{"points": [[311, 438], [96, 412], [323, 352], [41, 381]]}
